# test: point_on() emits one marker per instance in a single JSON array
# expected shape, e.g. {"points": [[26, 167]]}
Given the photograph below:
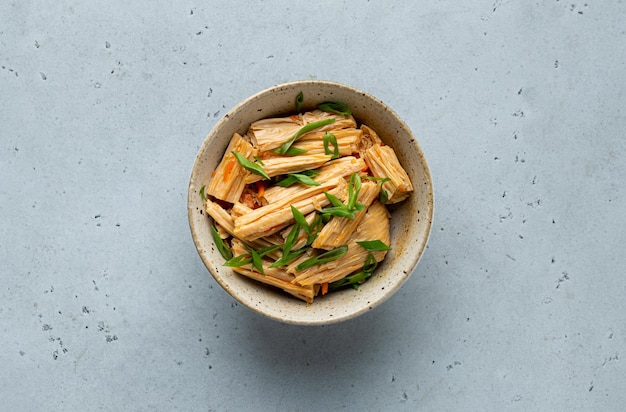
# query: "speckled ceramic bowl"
{"points": [[410, 222]]}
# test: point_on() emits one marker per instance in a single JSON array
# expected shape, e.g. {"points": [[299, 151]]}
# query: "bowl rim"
{"points": [[222, 281]]}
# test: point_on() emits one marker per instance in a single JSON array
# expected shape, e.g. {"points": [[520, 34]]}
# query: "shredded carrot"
{"points": [[365, 168], [228, 169], [260, 187], [324, 288], [294, 118]]}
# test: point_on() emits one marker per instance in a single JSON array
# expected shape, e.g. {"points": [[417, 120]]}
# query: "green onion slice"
{"points": [[314, 229], [202, 194], [299, 101], [300, 219], [339, 209], [383, 196], [254, 257], [257, 262], [288, 181], [250, 166], [288, 258], [374, 245], [339, 212], [368, 269], [291, 239], [334, 200], [293, 151], [323, 258], [284, 148], [329, 139], [334, 107], [221, 246], [304, 177], [239, 260], [354, 187], [267, 250]]}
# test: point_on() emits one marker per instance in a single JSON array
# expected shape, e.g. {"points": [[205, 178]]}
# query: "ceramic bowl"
{"points": [[410, 220]]}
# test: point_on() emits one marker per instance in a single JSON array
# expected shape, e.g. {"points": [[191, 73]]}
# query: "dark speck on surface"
{"points": [[562, 279]]}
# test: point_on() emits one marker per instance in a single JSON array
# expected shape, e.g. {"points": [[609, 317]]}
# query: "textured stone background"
{"points": [[517, 304]]}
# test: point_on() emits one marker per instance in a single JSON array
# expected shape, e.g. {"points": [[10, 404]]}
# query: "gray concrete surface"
{"points": [[518, 303]]}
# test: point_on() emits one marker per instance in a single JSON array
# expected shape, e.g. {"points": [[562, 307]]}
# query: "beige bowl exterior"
{"points": [[410, 222]]}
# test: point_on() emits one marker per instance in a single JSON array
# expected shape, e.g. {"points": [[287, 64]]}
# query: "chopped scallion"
{"points": [[221, 245], [354, 187], [294, 151], [239, 260], [251, 166], [284, 148], [373, 245], [349, 210], [302, 177], [323, 258], [383, 196], [288, 258], [300, 219], [299, 101], [334, 107], [329, 139], [368, 269], [257, 262]]}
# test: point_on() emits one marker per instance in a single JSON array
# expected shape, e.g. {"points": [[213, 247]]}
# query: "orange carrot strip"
{"points": [[228, 169], [324, 288], [260, 186]]}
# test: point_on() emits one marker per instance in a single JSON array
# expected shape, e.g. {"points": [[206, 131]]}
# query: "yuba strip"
{"points": [[341, 122], [273, 276], [224, 222], [273, 217], [383, 162], [302, 235], [375, 225], [275, 166], [229, 178], [368, 139], [268, 134], [271, 133], [220, 216], [348, 141], [338, 230], [342, 167], [306, 293]]}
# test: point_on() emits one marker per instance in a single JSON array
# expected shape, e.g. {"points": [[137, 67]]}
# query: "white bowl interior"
{"points": [[410, 222]]}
